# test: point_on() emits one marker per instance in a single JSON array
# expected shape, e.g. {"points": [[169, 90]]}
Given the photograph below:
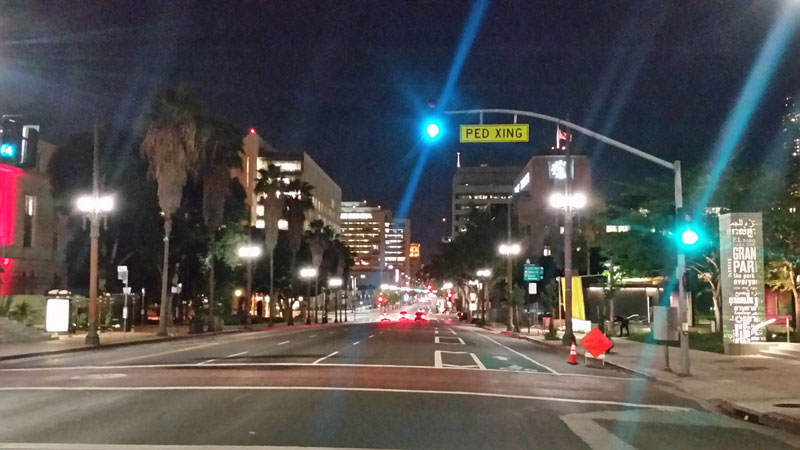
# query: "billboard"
{"points": [[741, 250]]}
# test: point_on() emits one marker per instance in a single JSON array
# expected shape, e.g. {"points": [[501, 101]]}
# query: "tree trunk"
{"points": [[715, 294], [271, 294], [163, 318], [211, 323], [289, 313]]}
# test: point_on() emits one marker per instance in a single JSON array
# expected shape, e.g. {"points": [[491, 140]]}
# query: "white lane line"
{"points": [[287, 364], [435, 331], [324, 358], [452, 331], [236, 354], [313, 336], [63, 446], [207, 361], [284, 342], [518, 353], [371, 336], [168, 352], [351, 389], [356, 342], [460, 341], [437, 361]]}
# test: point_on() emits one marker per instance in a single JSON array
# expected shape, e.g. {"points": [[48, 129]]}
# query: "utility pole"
{"points": [[509, 274], [569, 337], [92, 338]]}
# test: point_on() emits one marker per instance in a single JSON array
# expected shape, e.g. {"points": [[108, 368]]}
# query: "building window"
{"points": [[547, 251], [30, 211]]}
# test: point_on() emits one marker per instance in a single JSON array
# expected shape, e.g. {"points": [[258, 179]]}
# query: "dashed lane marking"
{"points": [[437, 340], [236, 354], [284, 342], [452, 331], [356, 342], [371, 336], [324, 358], [313, 336], [207, 361]]}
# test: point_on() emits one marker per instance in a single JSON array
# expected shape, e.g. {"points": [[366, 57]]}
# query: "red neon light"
{"points": [[5, 276], [8, 202]]}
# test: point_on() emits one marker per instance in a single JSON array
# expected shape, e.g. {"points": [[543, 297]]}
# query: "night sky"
{"points": [[348, 81]]}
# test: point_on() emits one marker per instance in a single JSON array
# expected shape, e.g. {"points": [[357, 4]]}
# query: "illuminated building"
{"points": [[483, 188], [326, 194], [791, 143]]}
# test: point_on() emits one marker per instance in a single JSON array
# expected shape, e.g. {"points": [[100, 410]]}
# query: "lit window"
{"points": [[30, 211], [259, 210], [260, 223], [283, 224], [547, 251]]}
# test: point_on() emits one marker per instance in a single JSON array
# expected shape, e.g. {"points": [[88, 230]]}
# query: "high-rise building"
{"points": [[326, 194], [482, 188], [398, 241], [791, 143], [364, 231], [414, 259]]}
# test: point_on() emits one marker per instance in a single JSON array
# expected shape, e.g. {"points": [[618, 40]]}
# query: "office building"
{"points": [[543, 175], [790, 133], [326, 194], [483, 188], [364, 232], [398, 242], [414, 259]]}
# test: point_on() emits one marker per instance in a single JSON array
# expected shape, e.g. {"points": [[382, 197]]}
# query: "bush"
{"points": [[706, 342], [551, 336], [21, 312]]}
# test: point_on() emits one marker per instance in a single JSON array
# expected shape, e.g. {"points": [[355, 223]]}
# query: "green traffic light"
{"points": [[7, 150], [689, 237], [432, 130]]}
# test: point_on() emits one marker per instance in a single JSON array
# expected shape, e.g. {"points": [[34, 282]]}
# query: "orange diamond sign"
{"points": [[596, 343]]}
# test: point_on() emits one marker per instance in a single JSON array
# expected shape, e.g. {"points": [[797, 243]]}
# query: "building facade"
{"points": [[543, 175], [364, 232], [790, 132], [32, 234], [258, 154], [480, 188], [398, 243]]}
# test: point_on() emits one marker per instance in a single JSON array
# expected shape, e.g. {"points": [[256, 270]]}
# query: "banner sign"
{"points": [[741, 250]]}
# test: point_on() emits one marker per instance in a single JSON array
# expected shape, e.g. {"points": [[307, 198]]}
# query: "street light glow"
{"points": [[509, 249], [447, 285], [577, 200], [249, 251], [483, 273], [689, 237], [432, 130], [308, 272], [90, 204], [335, 282]]}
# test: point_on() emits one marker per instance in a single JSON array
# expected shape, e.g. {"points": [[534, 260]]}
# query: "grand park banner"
{"points": [[741, 249]]}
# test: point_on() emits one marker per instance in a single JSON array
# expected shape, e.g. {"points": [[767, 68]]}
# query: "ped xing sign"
{"points": [[494, 133]]}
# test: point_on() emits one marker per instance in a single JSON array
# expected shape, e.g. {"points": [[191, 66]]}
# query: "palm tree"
{"points": [[219, 145], [268, 189], [169, 144], [297, 200], [319, 240]]}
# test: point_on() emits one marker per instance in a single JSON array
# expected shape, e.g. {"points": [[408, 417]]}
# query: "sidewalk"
{"points": [[749, 387]]}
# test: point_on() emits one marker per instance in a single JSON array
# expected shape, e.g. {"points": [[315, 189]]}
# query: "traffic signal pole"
{"points": [[674, 166]]}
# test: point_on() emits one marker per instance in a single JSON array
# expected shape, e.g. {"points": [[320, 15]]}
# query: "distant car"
{"points": [[420, 315], [385, 318], [403, 315], [461, 315]]}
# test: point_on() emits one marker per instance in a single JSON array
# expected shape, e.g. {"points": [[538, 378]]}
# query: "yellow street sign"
{"points": [[494, 133]]}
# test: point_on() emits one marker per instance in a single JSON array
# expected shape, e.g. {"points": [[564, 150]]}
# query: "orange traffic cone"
{"points": [[573, 355]]}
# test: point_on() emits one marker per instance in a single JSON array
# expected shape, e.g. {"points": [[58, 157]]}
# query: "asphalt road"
{"points": [[433, 385]]}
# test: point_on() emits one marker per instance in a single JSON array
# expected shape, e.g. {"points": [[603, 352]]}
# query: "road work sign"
{"points": [[494, 133]]}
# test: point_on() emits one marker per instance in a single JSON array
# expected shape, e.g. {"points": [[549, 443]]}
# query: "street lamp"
{"points": [[569, 202], [307, 273], [333, 283], [94, 207], [508, 250], [484, 274], [249, 253]]}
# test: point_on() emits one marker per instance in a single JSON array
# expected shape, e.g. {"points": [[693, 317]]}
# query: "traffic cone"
{"points": [[573, 355]]}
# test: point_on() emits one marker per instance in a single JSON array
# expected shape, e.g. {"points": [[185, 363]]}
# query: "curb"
{"points": [[768, 419], [158, 340]]}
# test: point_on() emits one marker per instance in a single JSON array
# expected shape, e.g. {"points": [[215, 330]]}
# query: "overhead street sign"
{"points": [[494, 133], [532, 272]]}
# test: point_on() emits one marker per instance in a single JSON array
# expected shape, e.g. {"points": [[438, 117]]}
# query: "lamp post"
{"points": [[249, 253], [508, 250], [569, 203], [334, 283], [483, 274], [307, 273]]}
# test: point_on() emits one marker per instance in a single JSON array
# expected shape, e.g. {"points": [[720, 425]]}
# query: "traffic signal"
{"points": [[432, 129], [687, 230], [449, 294], [10, 142], [429, 287], [381, 299]]}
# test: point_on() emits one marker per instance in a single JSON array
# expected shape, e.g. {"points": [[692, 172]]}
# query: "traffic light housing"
{"points": [[687, 230], [432, 129], [10, 142]]}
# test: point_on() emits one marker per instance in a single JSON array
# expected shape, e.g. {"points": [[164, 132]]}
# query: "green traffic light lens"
{"points": [[432, 130], [689, 237]]}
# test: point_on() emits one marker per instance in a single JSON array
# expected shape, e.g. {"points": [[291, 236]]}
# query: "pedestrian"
{"points": [[623, 325]]}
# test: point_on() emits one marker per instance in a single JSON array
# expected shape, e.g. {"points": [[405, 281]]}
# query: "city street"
{"points": [[434, 384]]}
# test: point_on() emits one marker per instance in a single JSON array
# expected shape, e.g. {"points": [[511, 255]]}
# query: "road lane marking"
{"points": [[324, 358], [356, 342], [64, 446], [168, 352], [436, 340], [236, 354], [284, 342], [207, 361], [501, 358], [437, 360], [451, 330], [350, 389], [290, 364], [435, 331], [518, 353], [371, 336], [313, 336]]}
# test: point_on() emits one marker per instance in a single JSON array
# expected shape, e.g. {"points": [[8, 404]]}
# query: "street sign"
{"points": [[596, 343], [494, 133], [532, 272], [531, 288]]}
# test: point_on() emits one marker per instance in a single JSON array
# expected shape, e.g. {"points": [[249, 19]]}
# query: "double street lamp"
{"points": [[333, 283], [509, 250], [95, 208], [249, 253]]}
